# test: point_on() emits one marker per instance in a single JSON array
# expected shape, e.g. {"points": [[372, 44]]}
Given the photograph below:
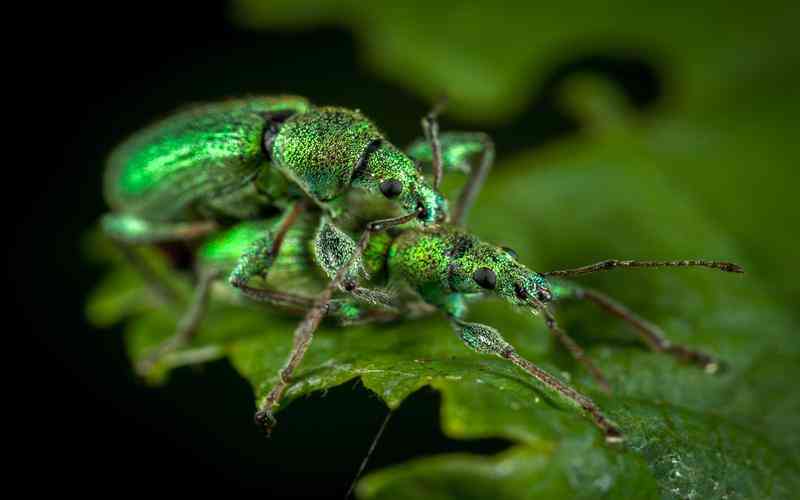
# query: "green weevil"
{"points": [[178, 178], [417, 270]]}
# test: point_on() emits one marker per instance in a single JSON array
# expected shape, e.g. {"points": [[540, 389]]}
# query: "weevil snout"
{"points": [[431, 206], [533, 293]]}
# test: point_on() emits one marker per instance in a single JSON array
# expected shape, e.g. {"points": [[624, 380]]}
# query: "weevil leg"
{"points": [[284, 225], [458, 149], [430, 127], [477, 177], [304, 333], [188, 324], [333, 248], [487, 340], [163, 292], [258, 259], [135, 230], [127, 231], [352, 312], [576, 351], [277, 298], [650, 334]]}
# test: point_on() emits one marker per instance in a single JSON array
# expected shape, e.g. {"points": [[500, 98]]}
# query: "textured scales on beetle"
{"points": [[235, 160], [419, 270], [328, 170], [236, 157]]}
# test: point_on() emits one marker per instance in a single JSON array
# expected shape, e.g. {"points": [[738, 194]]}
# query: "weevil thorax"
{"points": [[444, 260], [328, 150]]}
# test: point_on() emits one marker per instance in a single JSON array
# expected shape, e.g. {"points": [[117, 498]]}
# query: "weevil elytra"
{"points": [[417, 270]]}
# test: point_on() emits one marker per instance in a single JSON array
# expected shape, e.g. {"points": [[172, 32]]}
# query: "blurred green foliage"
{"points": [[709, 172]]}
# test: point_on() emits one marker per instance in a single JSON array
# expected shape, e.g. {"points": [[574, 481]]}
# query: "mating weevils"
{"points": [[417, 270], [176, 179]]}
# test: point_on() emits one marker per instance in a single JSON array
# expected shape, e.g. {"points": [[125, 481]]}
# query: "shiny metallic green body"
{"points": [[192, 158], [232, 159], [323, 152], [296, 268], [435, 264]]}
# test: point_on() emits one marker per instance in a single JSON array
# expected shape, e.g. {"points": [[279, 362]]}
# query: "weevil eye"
{"points": [[510, 251], [391, 188], [485, 278], [543, 296]]}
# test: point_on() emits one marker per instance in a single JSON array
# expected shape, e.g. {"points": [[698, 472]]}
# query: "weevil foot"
{"points": [[613, 435], [706, 362], [265, 421]]}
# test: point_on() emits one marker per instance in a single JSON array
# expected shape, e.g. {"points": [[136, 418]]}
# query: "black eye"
{"points": [[485, 278], [520, 291], [391, 188], [510, 251], [543, 296]]}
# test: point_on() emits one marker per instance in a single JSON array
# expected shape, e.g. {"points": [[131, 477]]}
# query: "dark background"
{"points": [[107, 73]]}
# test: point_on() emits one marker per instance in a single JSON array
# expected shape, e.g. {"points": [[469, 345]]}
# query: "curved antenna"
{"points": [[728, 267]]}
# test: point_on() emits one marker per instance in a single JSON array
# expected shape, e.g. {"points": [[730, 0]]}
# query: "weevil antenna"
{"points": [[605, 265], [369, 453]]}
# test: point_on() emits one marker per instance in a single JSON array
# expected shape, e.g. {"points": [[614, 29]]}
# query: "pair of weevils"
{"points": [[364, 234]]}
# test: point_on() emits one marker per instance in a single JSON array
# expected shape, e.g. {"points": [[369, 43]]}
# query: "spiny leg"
{"points": [[258, 259], [613, 263], [277, 298], [430, 127], [283, 227], [253, 262], [350, 311], [303, 334], [347, 313], [486, 340], [135, 230], [188, 324], [126, 231], [650, 334], [457, 150], [163, 292], [477, 177], [576, 350]]}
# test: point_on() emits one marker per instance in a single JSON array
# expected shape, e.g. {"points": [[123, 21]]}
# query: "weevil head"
{"points": [[479, 267], [328, 150], [388, 172]]}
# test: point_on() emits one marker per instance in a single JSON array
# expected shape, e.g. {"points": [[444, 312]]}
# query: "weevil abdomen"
{"points": [[205, 151]]}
